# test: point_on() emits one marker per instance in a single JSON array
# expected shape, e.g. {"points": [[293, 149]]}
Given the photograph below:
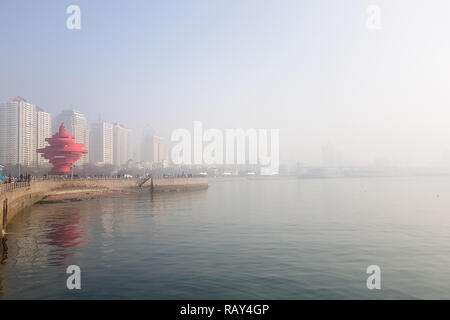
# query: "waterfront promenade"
{"points": [[16, 196]]}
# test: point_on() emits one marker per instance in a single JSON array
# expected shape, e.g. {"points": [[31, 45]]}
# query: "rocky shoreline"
{"points": [[82, 194]]}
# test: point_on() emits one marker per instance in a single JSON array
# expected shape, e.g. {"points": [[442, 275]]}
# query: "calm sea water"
{"points": [[242, 239]]}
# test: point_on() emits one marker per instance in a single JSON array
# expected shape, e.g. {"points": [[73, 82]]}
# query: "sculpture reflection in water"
{"points": [[66, 233]]}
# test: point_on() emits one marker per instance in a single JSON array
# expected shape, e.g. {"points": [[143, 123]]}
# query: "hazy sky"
{"points": [[309, 68]]}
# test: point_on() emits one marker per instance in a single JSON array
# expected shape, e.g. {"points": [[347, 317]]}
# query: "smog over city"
{"points": [[225, 150]]}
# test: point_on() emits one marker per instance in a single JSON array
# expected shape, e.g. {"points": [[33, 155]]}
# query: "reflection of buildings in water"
{"points": [[43, 235], [108, 225], [120, 209], [162, 202], [48, 234], [109, 218], [27, 250], [107, 221], [116, 214]]}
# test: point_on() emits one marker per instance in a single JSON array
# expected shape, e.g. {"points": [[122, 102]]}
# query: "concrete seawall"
{"points": [[18, 199]]}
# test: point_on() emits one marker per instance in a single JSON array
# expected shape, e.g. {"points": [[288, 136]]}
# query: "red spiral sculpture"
{"points": [[62, 152]]}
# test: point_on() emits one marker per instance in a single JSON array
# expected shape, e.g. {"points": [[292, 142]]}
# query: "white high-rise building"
{"points": [[101, 143], [152, 149], [122, 145], [76, 124], [9, 129], [18, 132], [43, 131]]}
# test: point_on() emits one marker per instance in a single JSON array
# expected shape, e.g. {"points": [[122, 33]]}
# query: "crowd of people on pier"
{"points": [[20, 178]]}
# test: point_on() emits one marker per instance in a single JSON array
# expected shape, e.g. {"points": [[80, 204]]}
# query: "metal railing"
{"points": [[14, 185], [63, 178], [7, 187]]}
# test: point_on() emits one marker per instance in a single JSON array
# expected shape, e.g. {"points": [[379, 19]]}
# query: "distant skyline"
{"points": [[309, 68]]}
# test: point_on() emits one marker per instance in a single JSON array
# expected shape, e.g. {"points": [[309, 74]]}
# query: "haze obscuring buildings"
{"points": [[152, 149], [330, 156], [122, 144]]}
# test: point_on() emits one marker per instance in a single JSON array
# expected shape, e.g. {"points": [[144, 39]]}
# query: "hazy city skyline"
{"points": [[239, 154], [309, 68]]}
